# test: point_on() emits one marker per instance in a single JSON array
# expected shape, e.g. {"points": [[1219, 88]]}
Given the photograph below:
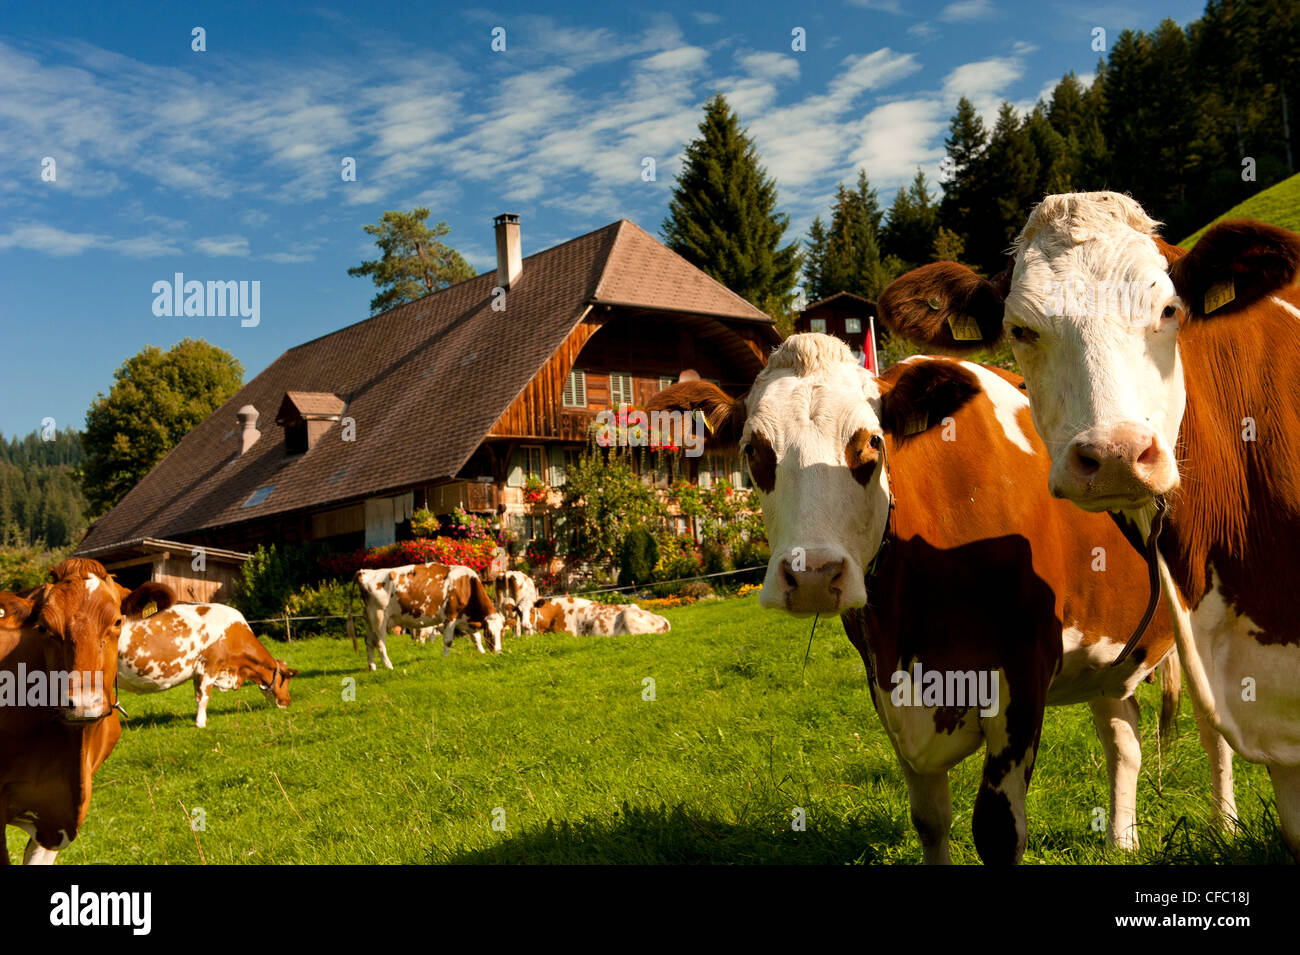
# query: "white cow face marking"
{"points": [[495, 623], [1093, 320], [824, 521]]}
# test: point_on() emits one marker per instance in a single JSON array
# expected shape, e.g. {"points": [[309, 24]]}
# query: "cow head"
{"points": [[79, 613], [812, 433], [277, 691], [1093, 307]]}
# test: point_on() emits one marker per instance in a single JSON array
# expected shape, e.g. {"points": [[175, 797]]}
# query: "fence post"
{"points": [[288, 635]]}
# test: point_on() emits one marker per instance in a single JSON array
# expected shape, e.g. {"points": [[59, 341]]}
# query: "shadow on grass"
{"points": [[681, 836]]}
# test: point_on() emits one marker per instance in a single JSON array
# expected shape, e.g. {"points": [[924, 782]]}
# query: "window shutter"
{"points": [[515, 475], [575, 389], [620, 390], [556, 476]]}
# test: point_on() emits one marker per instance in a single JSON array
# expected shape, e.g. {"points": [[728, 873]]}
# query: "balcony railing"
{"points": [[468, 495]]}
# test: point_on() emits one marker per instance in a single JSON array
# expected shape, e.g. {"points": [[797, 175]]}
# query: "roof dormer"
{"points": [[305, 416]]}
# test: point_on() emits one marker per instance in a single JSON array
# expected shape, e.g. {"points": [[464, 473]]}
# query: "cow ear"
{"points": [[147, 599], [946, 306], [922, 394], [1234, 264], [15, 611], [724, 416]]}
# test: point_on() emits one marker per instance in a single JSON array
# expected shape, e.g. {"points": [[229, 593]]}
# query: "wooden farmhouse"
{"points": [[459, 399], [844, 315]]}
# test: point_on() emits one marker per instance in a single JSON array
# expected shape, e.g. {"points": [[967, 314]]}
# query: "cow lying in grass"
{"points": [[417, 596], [583, 617], [210, 645], [915, 505]]}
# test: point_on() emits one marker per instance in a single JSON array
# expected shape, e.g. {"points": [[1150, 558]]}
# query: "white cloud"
{"points": [[51, 240], [967, 10], [223, 245]]}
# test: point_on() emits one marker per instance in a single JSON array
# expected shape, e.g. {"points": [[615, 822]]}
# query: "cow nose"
{"points": [[1123, 461], [811, 582]]}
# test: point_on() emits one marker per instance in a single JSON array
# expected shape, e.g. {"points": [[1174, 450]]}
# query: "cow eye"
{"points": [[1023, 335], [747, 449]]}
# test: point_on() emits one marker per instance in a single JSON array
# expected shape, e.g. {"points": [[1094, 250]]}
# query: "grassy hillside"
{"points": [[555, 733], [1278, 205]]}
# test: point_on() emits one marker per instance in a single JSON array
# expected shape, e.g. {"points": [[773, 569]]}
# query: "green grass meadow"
{"points": [[553, 742], [1278, 205]]}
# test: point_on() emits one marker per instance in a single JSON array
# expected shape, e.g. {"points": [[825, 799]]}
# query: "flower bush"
{"points": [[475, 553], [534, 490]]}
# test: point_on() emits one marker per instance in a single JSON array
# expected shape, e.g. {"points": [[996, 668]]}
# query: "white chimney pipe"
{"points": [[510, 261], [247, 417]]}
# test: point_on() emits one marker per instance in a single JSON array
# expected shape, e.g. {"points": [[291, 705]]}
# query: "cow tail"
{"points": [[352, 627], [1171, 686]]}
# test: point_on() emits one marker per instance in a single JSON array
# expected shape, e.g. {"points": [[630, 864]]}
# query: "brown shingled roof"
{"points": [[424, 383]]}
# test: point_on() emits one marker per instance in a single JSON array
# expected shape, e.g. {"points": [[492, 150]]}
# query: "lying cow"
{"points": [[51, 747], [210, 645], [915, 505], [425, 595], [516, 594], [583, 617]]}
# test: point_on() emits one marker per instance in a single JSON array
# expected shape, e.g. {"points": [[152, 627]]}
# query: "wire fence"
{"points": [[288, 620]]}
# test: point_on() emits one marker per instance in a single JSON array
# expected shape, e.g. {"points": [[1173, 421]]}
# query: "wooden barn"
{"points": [[459, 399], [845, 315]]}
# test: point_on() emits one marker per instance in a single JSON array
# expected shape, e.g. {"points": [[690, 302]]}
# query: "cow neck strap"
{"points": [[1153, 581], [889, 517]]}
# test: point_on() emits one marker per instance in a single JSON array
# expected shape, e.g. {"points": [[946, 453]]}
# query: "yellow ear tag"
{"points": [[707, 424], [1219, 294], [149, 610], [916, 424], [964, 328]]}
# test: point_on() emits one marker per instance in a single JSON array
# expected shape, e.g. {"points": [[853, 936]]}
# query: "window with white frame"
{"points": [[817, 325], [532, 459], [852, 326], [620, 390], [575, 389], [665, 382]]}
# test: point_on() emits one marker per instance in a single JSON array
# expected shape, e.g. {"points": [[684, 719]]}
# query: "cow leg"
{"points": [[1117, 728], [1223, 803], [931, 803], [202, 690], [999, 824], [1286, 789], [448, 634], [478, 640]]}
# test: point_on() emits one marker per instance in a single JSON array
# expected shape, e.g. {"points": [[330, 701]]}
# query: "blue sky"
{"points": [[225, 164]]}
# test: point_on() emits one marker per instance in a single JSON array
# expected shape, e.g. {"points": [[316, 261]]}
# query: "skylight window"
{"points": [[258, 496]]}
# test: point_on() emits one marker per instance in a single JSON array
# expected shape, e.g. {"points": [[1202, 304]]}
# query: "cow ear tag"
{"points": [[1219, 294], [964, 328], [150, 609], [916, 424]]}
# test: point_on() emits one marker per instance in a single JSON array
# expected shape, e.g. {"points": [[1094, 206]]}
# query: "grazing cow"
{"points": [[1141, 360], [61, 639], [424, 595], [210, 645], [914, 505], [516, 594], [582, 617]]}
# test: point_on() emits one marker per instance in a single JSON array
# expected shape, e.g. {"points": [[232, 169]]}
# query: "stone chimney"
{"points": [[510, 261], [247, 416]]}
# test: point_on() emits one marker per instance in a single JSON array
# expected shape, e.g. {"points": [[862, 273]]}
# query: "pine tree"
{"points": [[966, 142], [913, 224], [415, 260], [722, 217]]}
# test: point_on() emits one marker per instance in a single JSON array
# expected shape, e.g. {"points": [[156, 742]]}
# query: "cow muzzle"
{"points": [[1117, 467], [803, 582]]}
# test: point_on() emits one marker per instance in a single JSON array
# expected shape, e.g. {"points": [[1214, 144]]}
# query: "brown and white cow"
{"points": [[915, 506], [516, 594], [210, 645], [584, 618], [426, 595], [61, 724], [1158, 375]]}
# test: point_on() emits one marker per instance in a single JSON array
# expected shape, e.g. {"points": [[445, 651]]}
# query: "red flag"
{"points": [[869, 359]]}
